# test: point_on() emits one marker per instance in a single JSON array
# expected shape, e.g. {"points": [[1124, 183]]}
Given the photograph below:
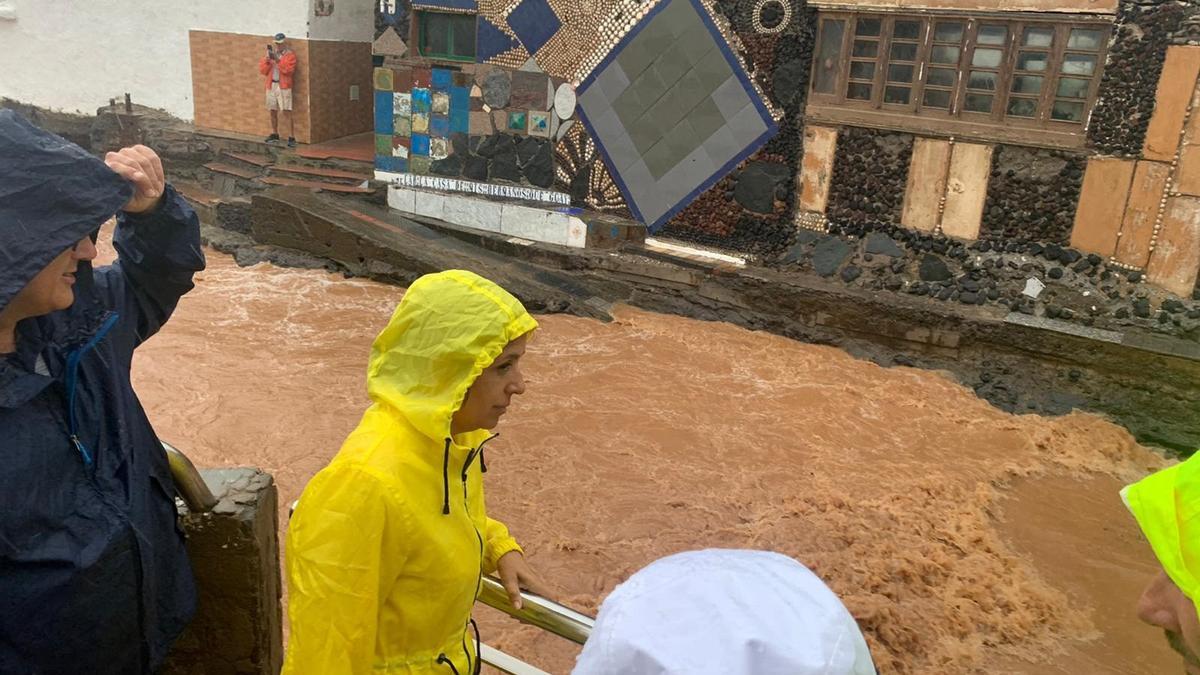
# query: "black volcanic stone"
{"points": [[1055, 273], [1134, 277], [969, 298], [829, 255], [461, 143], [851, 273], [882, 245], [1122, 313], [1173, 306], [476, 168], [540, 169], [788, 80], [756, 184], [497, 144], [528, 148], [1069, 256], [934, 268], [1141, 308], [450, 166]]}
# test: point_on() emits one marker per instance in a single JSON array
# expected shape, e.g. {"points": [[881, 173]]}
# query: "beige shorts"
{"points": [[279, 99]]}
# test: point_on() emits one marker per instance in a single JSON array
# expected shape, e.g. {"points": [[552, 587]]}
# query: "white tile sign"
{"points": [[488, 189]]}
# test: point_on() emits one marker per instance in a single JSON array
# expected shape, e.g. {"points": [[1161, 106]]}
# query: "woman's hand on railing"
{"points": [[515, 573]]}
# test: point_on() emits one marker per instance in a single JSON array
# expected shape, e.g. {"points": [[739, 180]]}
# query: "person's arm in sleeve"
{"points": [[158, 247], [287, 64], [337, 570], [498, 543], [264, 66], [505, 558]]}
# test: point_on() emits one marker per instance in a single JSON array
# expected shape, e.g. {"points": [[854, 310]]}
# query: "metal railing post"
{"points": [[188, 482]]}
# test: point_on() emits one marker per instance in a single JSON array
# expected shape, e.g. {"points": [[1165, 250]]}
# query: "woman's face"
{"points": [[488, 399], [53, 288]]}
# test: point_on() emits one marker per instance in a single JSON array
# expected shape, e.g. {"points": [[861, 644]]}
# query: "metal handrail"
{"points": [[506, 663], [188, 482], [538, 611]]}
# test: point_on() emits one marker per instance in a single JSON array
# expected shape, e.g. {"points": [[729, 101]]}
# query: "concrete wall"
{"points": [[351, 21], [75, 55], [235, 556]]}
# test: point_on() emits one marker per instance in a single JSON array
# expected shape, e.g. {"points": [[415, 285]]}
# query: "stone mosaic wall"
{"points": [[752, 209], [1135, 59], [1032, 195], [870, 173]]}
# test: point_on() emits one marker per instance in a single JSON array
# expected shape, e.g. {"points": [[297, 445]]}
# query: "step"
{"points": [[317, 185], [322, 172], [221, 167], [197, 195], [260, 161]]}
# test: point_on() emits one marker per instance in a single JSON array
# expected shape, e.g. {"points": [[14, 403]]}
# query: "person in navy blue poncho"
{"points": [[94, 576]]}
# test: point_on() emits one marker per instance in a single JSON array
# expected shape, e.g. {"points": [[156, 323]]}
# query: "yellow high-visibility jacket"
{"points": [[386, 547]]}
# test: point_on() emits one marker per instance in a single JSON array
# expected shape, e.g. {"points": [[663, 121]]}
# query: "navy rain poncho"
{"points": [[94, 577]]}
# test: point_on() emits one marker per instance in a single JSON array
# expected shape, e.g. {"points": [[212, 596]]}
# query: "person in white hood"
{"points": [[725, 612]]}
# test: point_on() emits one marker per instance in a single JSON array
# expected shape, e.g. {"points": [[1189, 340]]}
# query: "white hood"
{"points": [[724, 612]]}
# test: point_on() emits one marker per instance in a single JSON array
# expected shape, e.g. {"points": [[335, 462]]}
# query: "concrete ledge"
{"points": [[235, 557]]}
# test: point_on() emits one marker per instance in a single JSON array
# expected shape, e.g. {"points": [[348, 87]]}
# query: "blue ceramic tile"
{"points": [[460, 121], [441, 79], [420, 145], [439, 126], [490, 41], [534, 22], [384, 124], [422, 100], [460, 99]]}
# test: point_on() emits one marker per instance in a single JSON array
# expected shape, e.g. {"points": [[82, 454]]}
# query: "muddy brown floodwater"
{"points": [[964, 539]]}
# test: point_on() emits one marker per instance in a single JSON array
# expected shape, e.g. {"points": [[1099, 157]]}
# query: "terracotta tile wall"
{"points": [[333, 68], [229, 91], [229, 95]]}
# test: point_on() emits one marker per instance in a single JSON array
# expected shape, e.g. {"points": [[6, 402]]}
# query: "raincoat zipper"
{"points": [[73, 360]]}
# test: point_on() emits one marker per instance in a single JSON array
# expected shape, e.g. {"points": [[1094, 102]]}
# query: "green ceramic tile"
{"points": [[628, 107], [660, 159], [706, 118], [418, 165], [643, 135], [691, 92], [673, 63], [696, 44], [383, 144], [712, 70], [682, 140]]}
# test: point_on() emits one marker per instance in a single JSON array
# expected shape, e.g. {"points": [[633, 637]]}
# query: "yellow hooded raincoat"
{"points": [[387, 545]]}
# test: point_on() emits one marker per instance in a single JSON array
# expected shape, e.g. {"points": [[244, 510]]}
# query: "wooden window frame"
{"points": [[1043, 128], [420, 28]]}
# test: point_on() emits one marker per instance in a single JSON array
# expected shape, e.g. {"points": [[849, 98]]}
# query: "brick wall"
{"points": [[229, 91], [333, 68]]}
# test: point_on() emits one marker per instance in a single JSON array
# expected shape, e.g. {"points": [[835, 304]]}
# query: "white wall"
{"points": [[351, 21], [75, 55]]}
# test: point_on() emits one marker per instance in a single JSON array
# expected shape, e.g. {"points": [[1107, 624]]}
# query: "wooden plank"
{"points": [[816, 168], [1176, 258], [959, 129], [324, 173], [966, 190], [1187, 174], [1175, 89], [1102, 204], [926, 184], [1137, 227], [221, 167], [256, 160], [316, 185]]}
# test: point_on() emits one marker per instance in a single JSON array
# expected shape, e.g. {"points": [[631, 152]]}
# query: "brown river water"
{"points": [[964, 539]]}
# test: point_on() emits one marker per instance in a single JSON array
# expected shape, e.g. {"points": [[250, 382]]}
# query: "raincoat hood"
{"points": [[52, 194], [1166, 506], [447, 330], [724, 612]]}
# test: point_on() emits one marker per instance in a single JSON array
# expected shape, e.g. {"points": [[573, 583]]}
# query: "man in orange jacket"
{"points": [[279, 67]]}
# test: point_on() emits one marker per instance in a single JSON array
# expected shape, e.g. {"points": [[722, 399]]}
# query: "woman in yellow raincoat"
{"points": [[387, 545]]}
